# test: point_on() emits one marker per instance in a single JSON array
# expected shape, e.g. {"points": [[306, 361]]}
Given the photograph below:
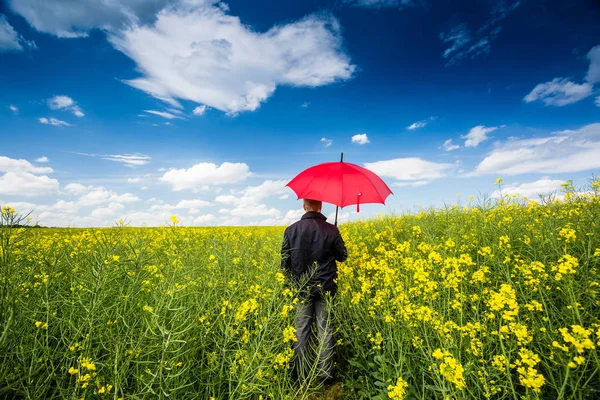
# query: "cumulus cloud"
{"points": [[593, 74], [559, 92], [92, 195], [23, 178], [74, 18], [410, 169], [53, 121], [248, 202], [111, 210], [42, 159], [206, 219], [361, 139], [76, 188], [183, 204], [532, 190], [19, 165], [65, 103], [449, 146], [326, 142], [14, 109], [27, 184], [477, 135], [10, 40], [206, 174], [195, 51], [563, 151]]}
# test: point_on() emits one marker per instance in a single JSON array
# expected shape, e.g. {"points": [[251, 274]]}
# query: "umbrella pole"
{"points": [[337, 207]]}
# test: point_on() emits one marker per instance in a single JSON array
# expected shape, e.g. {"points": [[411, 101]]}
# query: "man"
{"points": [[309, 252]]}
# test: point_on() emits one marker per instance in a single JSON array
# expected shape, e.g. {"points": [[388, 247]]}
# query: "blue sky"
{"points": [[202, 109]]}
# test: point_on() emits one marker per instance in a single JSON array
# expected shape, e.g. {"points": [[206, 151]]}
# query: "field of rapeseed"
{"points": [[484, 300]]}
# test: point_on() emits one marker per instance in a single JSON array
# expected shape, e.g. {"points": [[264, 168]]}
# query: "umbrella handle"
{"points": [[336, 212], [358, 202]]}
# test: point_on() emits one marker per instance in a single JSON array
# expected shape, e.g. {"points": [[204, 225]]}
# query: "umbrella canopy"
{"points": [[340, 183]]}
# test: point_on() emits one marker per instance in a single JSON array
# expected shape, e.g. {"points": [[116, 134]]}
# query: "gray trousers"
{"points": [[314, 310]]}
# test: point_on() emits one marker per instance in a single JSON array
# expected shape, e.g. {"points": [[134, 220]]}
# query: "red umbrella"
{"points": [[340, 183]]}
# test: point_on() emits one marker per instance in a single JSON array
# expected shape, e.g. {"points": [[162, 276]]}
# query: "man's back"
{"points": [[313, 240]]}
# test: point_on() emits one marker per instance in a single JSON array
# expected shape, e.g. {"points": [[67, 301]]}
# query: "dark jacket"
{"points": [[313, 243]]}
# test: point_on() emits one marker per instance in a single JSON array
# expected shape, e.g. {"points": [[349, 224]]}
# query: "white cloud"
{"points": [[200, 110], [417, 125], [27, 184], [380, 3], [465, 42], [99, 195], [532, 190], [593, 74], [343, 217], [477, 135], [196, 51], [150, 218], [410, 169], [76, 188], [361, 139], [111, 210], [10, 40], [559, 92], [284, 197], [196, 203], [563, 151], [134, 180], [326, 142], [42, 159], [226, 199], [206, 174], [254, 210], [130, 160], [289, 218], [248, 203], [53, 121], [71, 19], [597, 102], [65, 103], [413, 184], [206, 219], [449, 146], [14, 108], [69, 207], [164, 114], [144, 188], [22, 207], [19, 165], [305, 104]]}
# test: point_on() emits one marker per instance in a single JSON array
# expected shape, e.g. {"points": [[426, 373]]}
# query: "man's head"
{"points": [[312, 205]]}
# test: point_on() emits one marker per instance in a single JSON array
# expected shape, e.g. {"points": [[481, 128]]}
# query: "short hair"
{"points": [[313, 205]]}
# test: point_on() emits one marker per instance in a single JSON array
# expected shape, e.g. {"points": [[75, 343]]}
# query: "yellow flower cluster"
{"points": [[398, 390], [505, 301], [450, 368], [289, 334]]}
